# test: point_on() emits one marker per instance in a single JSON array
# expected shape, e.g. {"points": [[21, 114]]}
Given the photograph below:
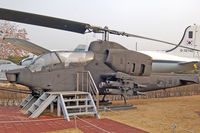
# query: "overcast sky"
{"points": [[160, 19]]}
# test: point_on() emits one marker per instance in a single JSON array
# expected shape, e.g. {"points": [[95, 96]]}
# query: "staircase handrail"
{"points": [[92, 87]]}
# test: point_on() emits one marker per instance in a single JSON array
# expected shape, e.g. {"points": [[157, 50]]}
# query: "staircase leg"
{"points": [[62, 103], [51, 107], [58, 107]]}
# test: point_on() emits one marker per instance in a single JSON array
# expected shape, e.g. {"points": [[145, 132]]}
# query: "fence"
{"points": [[88, 123], [173, 127], [11, 98]]}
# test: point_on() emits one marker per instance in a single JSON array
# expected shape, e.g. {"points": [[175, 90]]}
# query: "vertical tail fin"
{"points": [[191, 38], [81, 47]]}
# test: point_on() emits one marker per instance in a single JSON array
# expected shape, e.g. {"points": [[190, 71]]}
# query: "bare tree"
{"points": [[11, 30]]}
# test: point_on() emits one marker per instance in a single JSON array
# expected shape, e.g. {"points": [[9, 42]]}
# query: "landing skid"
{"points": [[105, 103], [117, 107]]}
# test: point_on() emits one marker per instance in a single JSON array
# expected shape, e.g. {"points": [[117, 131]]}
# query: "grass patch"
{"points": [[150, 113]]}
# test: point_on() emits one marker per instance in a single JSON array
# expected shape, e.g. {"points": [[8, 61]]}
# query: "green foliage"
{"points": [[16, 59]]}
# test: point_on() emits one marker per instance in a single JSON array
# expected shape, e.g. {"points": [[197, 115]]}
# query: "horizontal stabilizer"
{"points": [[189, 63], [194, 64]]}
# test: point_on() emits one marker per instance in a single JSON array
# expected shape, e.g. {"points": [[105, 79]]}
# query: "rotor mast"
{"points": [[105, 35]]}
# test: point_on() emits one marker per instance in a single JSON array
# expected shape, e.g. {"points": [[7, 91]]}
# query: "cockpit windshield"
{"points": [[68, 58], [43, 60], [65, 57]]}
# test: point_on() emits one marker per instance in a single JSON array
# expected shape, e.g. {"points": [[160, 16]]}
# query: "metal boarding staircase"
{"points": [[73, 103]]}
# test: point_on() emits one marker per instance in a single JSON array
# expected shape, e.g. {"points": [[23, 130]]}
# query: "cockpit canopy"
{"points": [[65, 57]]}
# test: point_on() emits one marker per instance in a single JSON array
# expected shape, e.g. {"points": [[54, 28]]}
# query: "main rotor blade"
{"points": [[40, 20]]}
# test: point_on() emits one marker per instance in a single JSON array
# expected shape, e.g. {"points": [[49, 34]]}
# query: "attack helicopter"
{"points": [[115, 69]]}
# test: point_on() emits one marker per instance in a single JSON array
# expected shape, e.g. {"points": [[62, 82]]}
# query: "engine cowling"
{"points": [[130, 62]]}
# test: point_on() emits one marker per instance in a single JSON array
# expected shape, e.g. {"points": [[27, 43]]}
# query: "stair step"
{"points": [[82, 113], [26, 100], [80, 106], [73, 100], [37, 105], [30, 111], [42, 99], [44, 96]]}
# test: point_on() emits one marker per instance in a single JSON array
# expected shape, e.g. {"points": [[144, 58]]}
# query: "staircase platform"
{"points": [[67, 92]]}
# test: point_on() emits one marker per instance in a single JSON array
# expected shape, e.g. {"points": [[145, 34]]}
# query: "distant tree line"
{"points": [[16, 59]]}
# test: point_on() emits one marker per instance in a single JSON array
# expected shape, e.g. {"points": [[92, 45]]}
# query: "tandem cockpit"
{"points": [[58, 58]]}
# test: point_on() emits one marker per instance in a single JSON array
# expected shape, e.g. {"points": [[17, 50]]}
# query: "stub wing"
{"points": [[26, 45]]}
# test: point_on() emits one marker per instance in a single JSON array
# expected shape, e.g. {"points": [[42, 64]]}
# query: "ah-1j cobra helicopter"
{"points": [[115, 69]]}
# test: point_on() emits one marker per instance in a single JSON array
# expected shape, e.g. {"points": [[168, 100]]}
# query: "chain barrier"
{"points": [[90, 124], [153, 122], [185, 129], [6, 122], [105, 109]]}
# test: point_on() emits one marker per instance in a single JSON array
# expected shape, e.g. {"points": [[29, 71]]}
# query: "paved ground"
{"points": [[12, 116]]}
